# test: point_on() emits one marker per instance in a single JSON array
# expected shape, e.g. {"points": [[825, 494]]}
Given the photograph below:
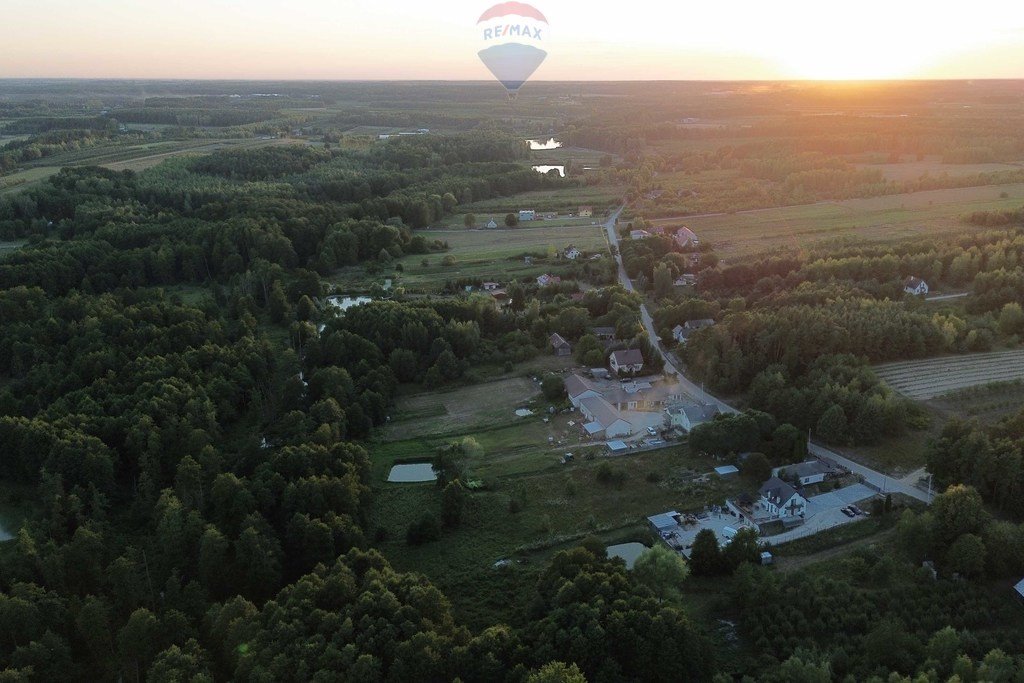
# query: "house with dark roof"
{"points": [[603, 333], [688, 416], [806, 473], [682, 333], [561, 346], [915, 286], [781, 500], [627, 361]]}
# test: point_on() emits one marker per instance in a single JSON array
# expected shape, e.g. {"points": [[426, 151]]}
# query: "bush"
{"points": [[425, 530]]}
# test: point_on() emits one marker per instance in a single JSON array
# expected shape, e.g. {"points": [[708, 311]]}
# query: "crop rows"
{"points": [[933, 377]]}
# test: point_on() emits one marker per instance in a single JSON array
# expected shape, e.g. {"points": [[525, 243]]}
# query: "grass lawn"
{"points": [[889, 218], [897, 456]]}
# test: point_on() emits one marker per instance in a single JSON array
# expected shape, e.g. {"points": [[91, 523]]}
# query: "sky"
{"points": [[586, 40]]}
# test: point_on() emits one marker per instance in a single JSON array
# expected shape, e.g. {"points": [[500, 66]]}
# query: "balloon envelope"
{"points": [[512, 63]]}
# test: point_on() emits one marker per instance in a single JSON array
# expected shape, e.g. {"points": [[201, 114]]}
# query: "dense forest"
{"points": [[184, 416]]}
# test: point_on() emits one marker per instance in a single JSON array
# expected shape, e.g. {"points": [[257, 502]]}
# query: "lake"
{"points": [[627, 551], [538, 145], [545, 169], [410, 473], [347, 302]]}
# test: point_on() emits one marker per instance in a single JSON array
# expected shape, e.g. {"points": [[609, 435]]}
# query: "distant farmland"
{"points": [[927, 379], [877, 218]]}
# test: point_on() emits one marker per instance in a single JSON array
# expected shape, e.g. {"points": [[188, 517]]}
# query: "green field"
{"points": [[890, 217], [566, 200], [484, 254], [20, 180]]}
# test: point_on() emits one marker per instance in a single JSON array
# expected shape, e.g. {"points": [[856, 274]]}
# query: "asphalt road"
{"points": [[880, 481]]}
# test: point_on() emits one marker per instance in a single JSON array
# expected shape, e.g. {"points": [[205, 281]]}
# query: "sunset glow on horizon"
{"points": [[358, 39]]}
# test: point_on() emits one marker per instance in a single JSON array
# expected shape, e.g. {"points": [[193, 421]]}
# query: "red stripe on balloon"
{"points": [[519, 8]]}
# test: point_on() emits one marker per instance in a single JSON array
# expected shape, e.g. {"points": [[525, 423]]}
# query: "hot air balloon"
{"points": [[513, 33]]}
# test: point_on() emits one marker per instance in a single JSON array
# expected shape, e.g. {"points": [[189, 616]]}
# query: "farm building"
{"points": [[604, 420], [915, 286], [629, 360], [490, 286], [666, 521], [491, 224], [561, 346], [586, 211], [639, 234], [579, 389], [527, 214], [603, 333], [572, 253]]}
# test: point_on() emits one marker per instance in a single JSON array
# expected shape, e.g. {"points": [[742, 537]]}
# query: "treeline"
{"points": [[987, 458], [189, 117]]}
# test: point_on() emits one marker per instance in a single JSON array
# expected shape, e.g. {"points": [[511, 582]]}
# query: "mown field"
{"points": [[926, 379], [879, 218], [933, 166]]}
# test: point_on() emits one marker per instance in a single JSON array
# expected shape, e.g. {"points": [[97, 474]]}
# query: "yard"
{"points": [[527, 515]]}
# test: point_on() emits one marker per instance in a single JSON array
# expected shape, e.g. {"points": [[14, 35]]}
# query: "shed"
{"points": [[766, 558], [1019, 589], [664, 521], [727, 470], [617, 446]]}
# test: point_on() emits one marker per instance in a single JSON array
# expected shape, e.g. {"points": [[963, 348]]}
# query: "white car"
{"points": [[652, 431]]}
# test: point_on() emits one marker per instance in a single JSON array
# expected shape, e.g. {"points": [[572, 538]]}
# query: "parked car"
{"points": [[848, 512]]}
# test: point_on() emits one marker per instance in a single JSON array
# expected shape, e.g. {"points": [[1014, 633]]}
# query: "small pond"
{"points": [[412, 472], [545, 169], [538, 145], [627, 551]]}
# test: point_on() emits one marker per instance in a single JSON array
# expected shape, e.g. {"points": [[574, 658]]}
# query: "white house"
{"points": [[686, 238], [572, 253], [639, 234], [630, 360], [491, 224], [604, 420], [527, 214], [545, 280], [688, 416], [682, 333], [781, 499], [490, 286], [915, 286]]}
